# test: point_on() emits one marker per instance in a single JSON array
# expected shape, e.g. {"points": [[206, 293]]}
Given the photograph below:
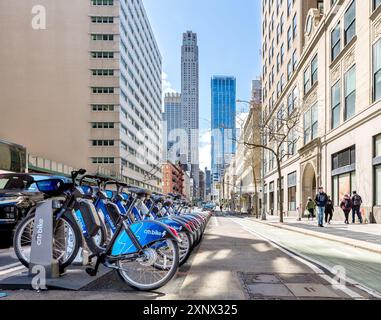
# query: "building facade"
{"points": [[173, 179], [223, 117], [332, 85], [91, 89], [190, 101], [172, 124], [208, 185]]}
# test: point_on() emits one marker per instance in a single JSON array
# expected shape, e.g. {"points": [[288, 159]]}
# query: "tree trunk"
{"points": [[280, 200]]}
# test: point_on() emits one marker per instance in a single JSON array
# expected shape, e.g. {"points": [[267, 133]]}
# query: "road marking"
{"points": [[313, 265], [11, 270]]}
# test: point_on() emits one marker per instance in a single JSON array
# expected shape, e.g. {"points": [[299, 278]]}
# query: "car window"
{"points": [[14, 183], [3, 183]]}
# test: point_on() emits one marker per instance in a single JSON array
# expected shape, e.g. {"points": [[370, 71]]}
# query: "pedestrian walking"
{"points": [[356, 207], [310, 207], [346, 206], [321, 201], [329, 210], [221, 207]]}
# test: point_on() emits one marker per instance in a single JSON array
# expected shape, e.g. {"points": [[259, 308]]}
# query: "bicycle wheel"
{"points": [[143, 273], [66, 240], [185, 247]]}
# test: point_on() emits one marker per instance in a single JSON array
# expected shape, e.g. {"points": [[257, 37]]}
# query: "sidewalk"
{"points": [[364, 236]]}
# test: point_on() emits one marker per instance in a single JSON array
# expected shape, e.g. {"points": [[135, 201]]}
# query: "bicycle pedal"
{"points": [[91, 272]]}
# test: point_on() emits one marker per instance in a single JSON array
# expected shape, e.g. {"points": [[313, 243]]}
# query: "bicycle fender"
{"points": [[146, 232]]}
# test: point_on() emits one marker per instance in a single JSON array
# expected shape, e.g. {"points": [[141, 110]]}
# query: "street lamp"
{"points": [[261, 121]]}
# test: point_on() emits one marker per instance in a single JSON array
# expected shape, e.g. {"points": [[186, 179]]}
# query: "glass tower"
{"points": [[223, 123]]}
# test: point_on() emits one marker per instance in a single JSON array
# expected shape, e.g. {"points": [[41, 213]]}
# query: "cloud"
{"points": [[166, 84], [205, 149]]}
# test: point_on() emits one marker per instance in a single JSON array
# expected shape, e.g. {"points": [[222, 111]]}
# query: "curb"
{"points": [[354, 243]]}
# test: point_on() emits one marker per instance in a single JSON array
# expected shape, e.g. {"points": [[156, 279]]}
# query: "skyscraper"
{"points": [[90, 95], [190, 101], [172, 123], [223, 123]]}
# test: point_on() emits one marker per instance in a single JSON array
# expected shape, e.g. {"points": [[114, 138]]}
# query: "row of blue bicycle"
{"points": [[146, 237]]}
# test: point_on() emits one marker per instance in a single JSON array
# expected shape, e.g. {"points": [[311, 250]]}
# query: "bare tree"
{"points": [[279, 136]]}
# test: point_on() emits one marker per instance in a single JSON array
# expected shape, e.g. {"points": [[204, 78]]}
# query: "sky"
{"points": [[229, 40]]}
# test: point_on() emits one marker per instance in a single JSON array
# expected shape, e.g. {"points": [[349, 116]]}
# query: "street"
{"points": [[240, 258]]}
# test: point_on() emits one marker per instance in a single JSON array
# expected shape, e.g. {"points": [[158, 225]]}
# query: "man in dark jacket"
{"points": [[321, 201], [356, 205], [329, 210]]}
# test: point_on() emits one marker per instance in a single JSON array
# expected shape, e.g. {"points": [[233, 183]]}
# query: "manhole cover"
{"points": [[265, 278], [309, 290], [264, 290]]}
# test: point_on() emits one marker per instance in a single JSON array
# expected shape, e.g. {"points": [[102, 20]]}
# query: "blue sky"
{"points": [[229, 44]]}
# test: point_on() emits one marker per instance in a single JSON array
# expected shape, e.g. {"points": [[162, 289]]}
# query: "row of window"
{"points": [[103, 160], [102, 72], [349, 98], [103, 107], [102, 54], [103, 125], [103, 90], [102, 143], [349, 31], [106, 20], [102, 37], [102, 2]]}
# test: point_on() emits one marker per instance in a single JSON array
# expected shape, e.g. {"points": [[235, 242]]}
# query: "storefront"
{"points": [[343, 174], [291, 183]]}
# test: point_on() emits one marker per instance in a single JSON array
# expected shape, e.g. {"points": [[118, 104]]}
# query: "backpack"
{"points": [[356, 200], [347, 203]]}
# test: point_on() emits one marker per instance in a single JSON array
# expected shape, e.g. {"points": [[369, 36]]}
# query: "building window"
{"points": [[102, 143], [335, 105], [102, 19], [100, 160], [311, 124], [102, 2], [103, 125], [102, 55], [377, 70], [102, 107], [350, 93], [102, 90], [271, 197], [291, 181], [102, 37], [377, 170], [294, 26], [289, 70], [265, 198], [314, 70], [350, 23], [307, 82], [102, 72], [335, 42], [289, 38], [343, 173], [376, 4]]}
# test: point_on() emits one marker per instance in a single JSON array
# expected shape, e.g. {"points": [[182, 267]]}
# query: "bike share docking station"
{"points": [[44, 271]]}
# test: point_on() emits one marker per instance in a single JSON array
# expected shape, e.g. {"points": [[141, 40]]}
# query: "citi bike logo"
{"points": [[155, 233], [40, 227]]}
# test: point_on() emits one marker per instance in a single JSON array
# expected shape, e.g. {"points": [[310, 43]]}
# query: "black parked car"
{"points": [[18, 194]]}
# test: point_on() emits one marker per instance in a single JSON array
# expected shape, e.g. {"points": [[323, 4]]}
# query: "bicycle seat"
{"points": [[157, 198], [139, 192], [168, 203]]}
